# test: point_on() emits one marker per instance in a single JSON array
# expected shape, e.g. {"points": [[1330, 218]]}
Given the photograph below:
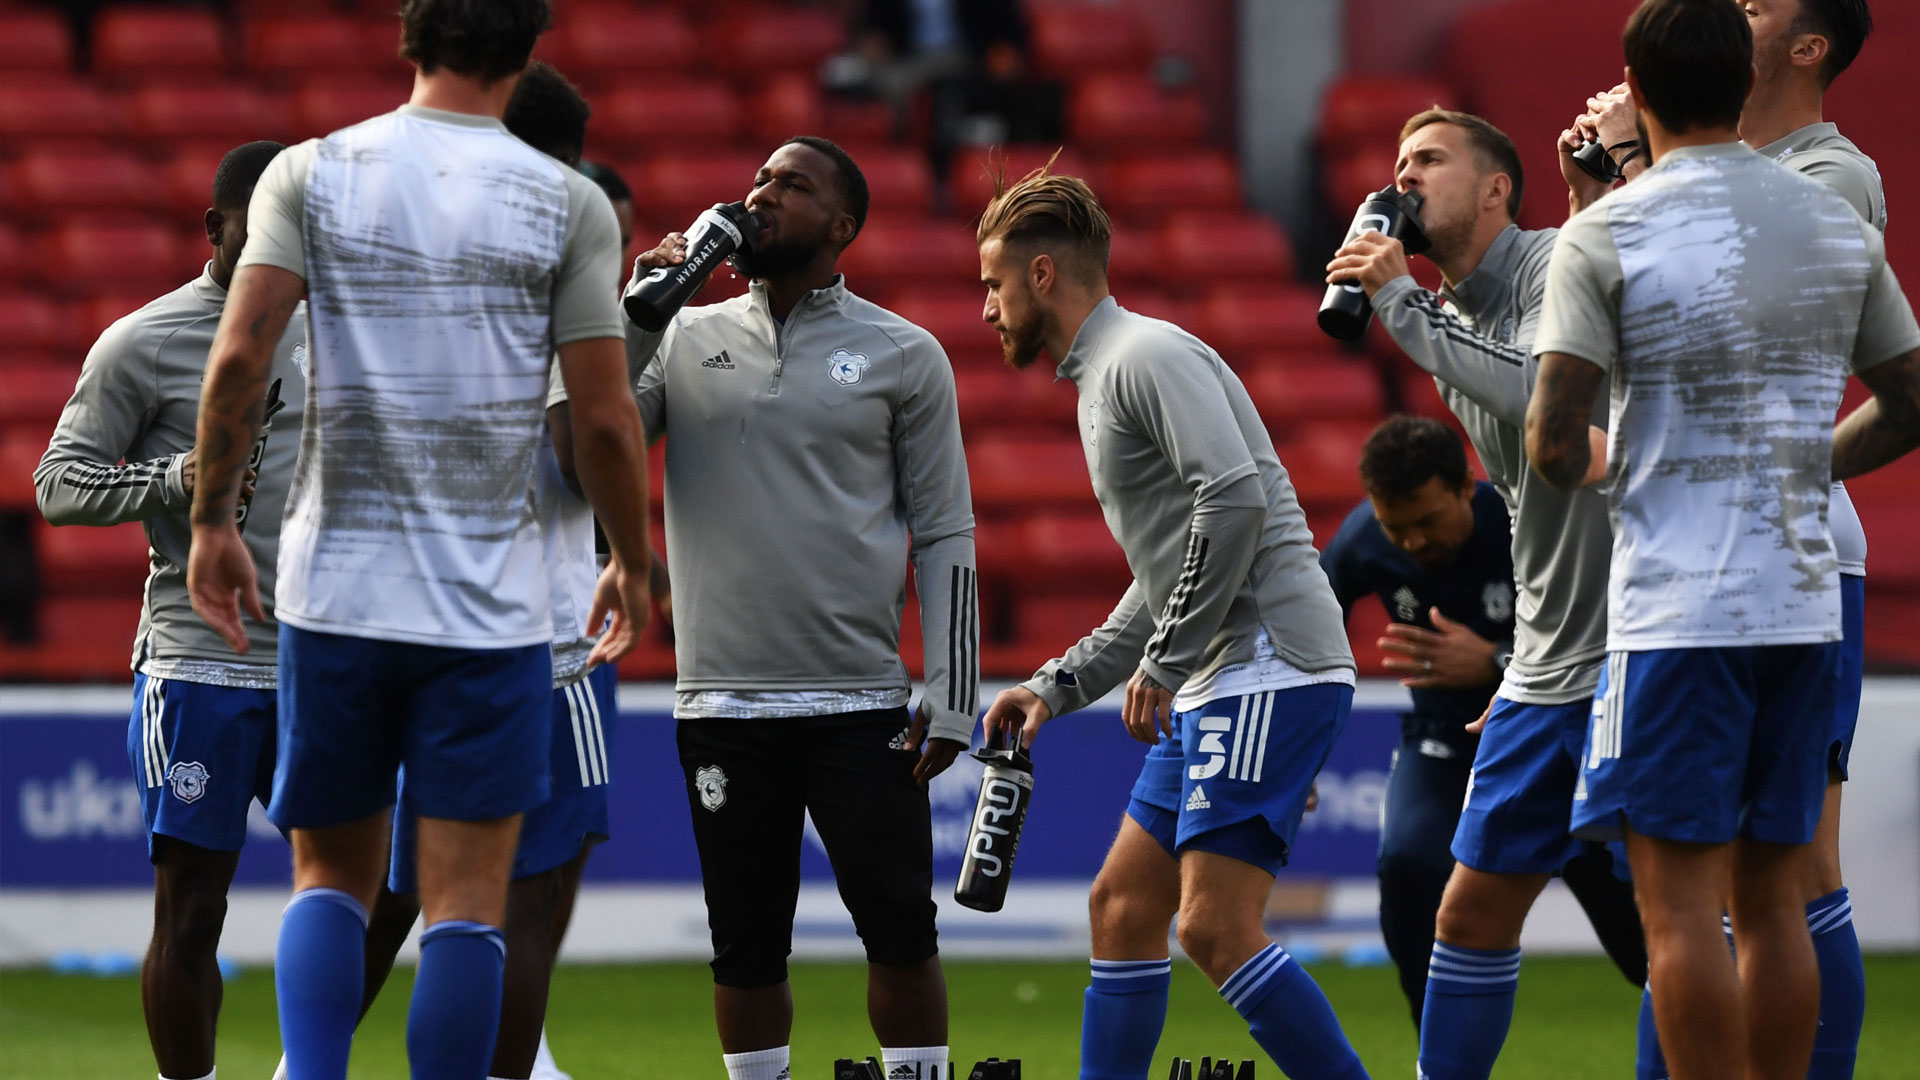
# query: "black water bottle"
{"points": [[1346, 311], [1006, 789], [713, 238]]}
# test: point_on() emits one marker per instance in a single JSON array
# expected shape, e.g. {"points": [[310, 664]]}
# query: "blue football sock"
{"points": [[1843, 986], [456, 1001], [1649, 1062], [1290, 1018], [318, 968], [1469, 1008], [1120, 1024]]}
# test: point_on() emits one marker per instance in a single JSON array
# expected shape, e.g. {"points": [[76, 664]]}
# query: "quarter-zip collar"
{"points": [[1078, 362], [831, 298], [1487, 290]]}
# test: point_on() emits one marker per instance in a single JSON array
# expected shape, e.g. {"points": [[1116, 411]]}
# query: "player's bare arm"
{"points": [[609, 458], [220, 571], [1885, 428], [1558, 435], [1017, 709]]}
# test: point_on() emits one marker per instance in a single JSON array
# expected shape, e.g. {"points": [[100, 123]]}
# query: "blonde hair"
{"points": [[1044, 209]]}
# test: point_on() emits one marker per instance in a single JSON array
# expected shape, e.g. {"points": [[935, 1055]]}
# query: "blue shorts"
{"points": [[201, 754], [1705, 745], [1235, 780], [574, 817], [469, 725], [1853, 668], [1515, 820]]}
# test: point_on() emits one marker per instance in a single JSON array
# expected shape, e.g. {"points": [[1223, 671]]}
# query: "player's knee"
{"points": [[1466, 921], [193, 919], [1119, 910]]}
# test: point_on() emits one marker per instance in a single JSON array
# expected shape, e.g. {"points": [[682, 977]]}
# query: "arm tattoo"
{"points": [[1557, 419], [233, 400], [1885, 428]]}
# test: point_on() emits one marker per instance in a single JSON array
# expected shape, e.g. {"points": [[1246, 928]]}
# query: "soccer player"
{"points": [[1514, 832], [447, 261], [1710, 741], [1800, 47], [201, 736], [1241, 675], [1435, 547], [813, 449]]}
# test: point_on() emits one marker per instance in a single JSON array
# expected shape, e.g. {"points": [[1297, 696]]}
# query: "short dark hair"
{"points": [[1693, 60], [851, 181], [483, 39], [547, 113], [1405, 452], [609, 181], [239, 171], [1491, 145], [1844, 23]]}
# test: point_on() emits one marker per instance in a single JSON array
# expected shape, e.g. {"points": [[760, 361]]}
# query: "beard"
{"points": [[1022, 345], [775, 259], [1447, 233]]}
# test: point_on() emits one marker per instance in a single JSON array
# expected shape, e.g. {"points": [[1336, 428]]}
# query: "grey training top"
{"points": [[1194, 494], [1821, 152], [1477, 344], [138, 399], [807, 463]]}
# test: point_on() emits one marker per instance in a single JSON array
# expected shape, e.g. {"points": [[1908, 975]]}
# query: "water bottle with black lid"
{"points": [[1006, 789], [714, 237], [1346, 311]]}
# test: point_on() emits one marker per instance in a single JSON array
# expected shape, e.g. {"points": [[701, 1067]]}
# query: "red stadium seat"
{"points": [[1158, 184], [232, 113], [786, 105], [140, 41], [187, 180], [87, 636], [1015, 471], [1068, 39], [324, 105], [33, 321], [1891, 617], [93, 314], [21, 446], [47, 106], [1117, 110], [34, 40], [1889, 520], [1323, 459], [898, 177], [293, 45], [972, 172], [1242, 319], [680, 111], [753, 41], [953, 317], [56, 181], [84, 559], [895, 251], [996, 396], [1369, 110], [1134, 257], [1048, 624], [1364, 627], [610, 39], [1157, 305], [674, 187], [36, 391], [1326, 390], [1206, 245], [1077, 547], [16, 257], [86, 254], [1351, 177]]}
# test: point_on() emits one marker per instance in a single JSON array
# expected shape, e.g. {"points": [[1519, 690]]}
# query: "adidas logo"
{"points": [[1198, 800], [723, 362], [904, 1071]]}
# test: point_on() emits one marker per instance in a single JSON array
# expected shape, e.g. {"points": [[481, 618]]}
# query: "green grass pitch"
{"points": [[1575, 1019]]}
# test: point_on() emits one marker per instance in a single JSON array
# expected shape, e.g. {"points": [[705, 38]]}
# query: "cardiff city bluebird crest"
{"points": [[711, 782], [188, 780], [847, 367]]}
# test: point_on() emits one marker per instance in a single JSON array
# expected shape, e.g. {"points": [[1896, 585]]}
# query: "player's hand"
{"points": [[221, 580], [1372, 259], [939, 754], [1149, 708], [1450, 655], [1480, 725], [1313, 797], [627, 598], [1611, 117], [1020, 708], [671, 251]]}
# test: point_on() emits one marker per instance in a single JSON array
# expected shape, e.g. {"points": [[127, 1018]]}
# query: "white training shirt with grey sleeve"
{"points": [[1821, 152], [1194, 494], [445, 261], [138, 399], [1476, 339], [808, 462]]}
